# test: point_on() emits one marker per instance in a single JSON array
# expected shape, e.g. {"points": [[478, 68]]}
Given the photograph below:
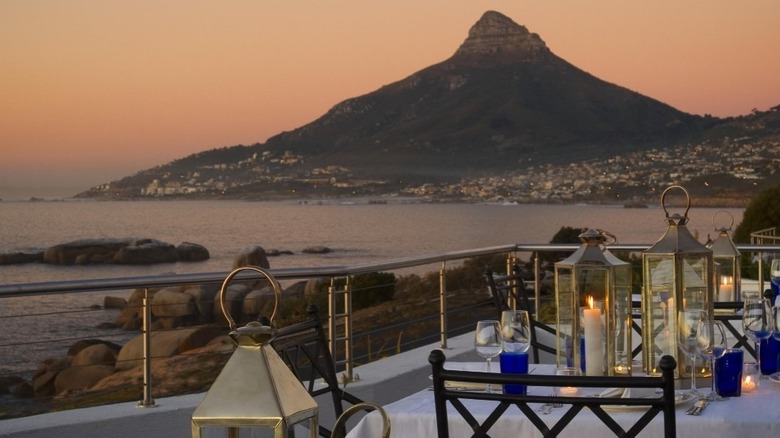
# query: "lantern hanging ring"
{"points": [[687, 203], [338, 428], [729, 228], [609, 238], [274, 284]]}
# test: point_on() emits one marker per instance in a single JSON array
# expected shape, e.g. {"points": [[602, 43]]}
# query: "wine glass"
{"points": [[712, 344], [687, 324], [515, 331], [487, 342], [757, 322]]}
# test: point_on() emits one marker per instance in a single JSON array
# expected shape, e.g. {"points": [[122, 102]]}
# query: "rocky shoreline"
{"points": [[189, 344], [124, 251]]}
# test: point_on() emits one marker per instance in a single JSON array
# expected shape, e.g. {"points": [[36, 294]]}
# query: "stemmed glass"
{"points": [[757, 322], [515, 331], [712, 344], [687, 324], [487, 342]]}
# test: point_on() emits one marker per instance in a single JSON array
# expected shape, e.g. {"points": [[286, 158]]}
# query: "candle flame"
{"points": [[747, 379], [590, 301]]}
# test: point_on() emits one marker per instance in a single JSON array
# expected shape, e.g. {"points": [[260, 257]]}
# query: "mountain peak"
{"points": [[497, 34]]}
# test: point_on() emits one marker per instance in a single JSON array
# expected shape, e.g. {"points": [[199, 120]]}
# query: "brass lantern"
{"points": [[593, 315], [677, 275], [256, 389], [727, 260]]}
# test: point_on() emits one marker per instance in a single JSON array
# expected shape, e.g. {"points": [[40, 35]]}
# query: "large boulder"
{"points": [[81, 378], [122, 251], [43, 379], [131, 317], [7, 383], [166, 343], [94, 349], [146, 252], [316, 249], [254, 302], [18, 257], [315, 285], [203, 296], [97, 354], [172, 308], [252, 256], [84, 251], [234, 303], [192, 252]]}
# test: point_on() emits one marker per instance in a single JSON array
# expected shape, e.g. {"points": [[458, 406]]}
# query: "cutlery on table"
{"points": [[698, 407]]}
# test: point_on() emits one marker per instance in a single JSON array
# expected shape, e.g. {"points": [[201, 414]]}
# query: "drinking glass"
{"points": [[515, 331], [712, 344], [687, 324], [757, 322], [487, 342]]}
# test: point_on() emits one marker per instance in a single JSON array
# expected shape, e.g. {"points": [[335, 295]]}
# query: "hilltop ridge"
{"points": [[502, 105]]}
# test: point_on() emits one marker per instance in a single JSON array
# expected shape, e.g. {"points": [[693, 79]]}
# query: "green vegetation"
{"points": [[762, 212]]}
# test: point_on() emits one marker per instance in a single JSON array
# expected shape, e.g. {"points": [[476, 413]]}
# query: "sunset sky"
{"points": [[95, 90]]}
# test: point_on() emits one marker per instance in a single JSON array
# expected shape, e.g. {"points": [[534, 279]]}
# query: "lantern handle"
{"points": [[687, 199], [723, 228], [338, 428], [609, 238], [274, 284]]}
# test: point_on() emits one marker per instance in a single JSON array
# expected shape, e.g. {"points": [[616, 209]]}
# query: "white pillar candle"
{"points": [[594, 344], [726, 290]]}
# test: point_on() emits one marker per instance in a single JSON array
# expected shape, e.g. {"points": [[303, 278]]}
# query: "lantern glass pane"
{"points": [[658, 310], [621, 323], [694, 283], [726, 278], [592, 283], [565, 314]]}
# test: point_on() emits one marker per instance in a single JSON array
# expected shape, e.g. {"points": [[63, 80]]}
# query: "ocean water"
{"points": [[357, 232]]}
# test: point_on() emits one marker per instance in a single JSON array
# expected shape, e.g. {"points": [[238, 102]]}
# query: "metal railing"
{"points": [[335, 318]]}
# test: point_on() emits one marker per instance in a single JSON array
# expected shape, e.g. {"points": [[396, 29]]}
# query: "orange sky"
{"points": [[93, 90]]}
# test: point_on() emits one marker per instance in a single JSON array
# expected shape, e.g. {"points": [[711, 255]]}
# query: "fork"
{"points": [[698, 407], [548, 407]]}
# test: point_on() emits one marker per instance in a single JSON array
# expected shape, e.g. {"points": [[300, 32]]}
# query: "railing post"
{"points": [[537, 286], [346, 317], [348, 328], [761, 274], [147, 324], [332, 318], [443, 305]]}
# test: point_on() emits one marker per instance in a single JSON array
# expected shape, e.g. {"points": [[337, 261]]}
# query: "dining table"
{"points": [[751, 415]]}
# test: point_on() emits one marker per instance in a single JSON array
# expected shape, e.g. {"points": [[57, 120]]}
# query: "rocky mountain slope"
{"points": [[503, 102]]}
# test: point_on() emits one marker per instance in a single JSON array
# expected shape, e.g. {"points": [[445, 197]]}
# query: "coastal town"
{"points": [[741, 162]]}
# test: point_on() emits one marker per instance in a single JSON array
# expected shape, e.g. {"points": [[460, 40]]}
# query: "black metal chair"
{"points": [[304, 348], [664, 404], [511, 288]]}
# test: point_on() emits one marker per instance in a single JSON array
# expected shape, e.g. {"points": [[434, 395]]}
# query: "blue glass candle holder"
{"points": [[728, 373], [514, 363], [770, 355]]}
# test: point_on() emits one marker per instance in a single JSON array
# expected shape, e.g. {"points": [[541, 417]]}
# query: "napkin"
{"points": [[628, 392], [465, 386]]}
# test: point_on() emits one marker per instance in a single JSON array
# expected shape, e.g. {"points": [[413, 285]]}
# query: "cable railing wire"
{"points": [[215, 278]]}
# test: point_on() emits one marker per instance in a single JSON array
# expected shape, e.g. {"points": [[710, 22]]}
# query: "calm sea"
{"points": [[357, 232]]}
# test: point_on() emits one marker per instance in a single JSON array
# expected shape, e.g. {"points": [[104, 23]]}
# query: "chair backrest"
{"points": [[664, 404], [506, 289], [304, 348]]}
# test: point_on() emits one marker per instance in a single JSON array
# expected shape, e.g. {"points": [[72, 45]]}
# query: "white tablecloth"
{"points": [[753, 415]]}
